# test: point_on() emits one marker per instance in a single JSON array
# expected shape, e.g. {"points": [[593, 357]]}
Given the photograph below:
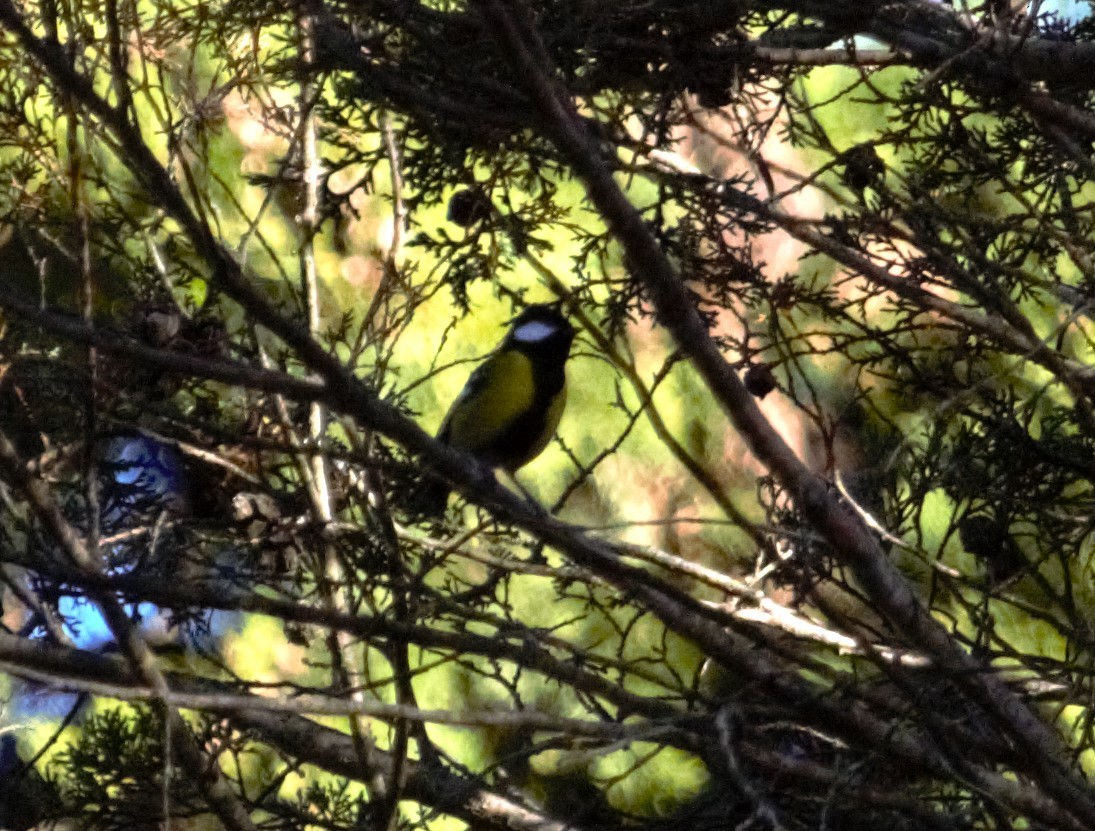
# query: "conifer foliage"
{"points": [[813, 548]]}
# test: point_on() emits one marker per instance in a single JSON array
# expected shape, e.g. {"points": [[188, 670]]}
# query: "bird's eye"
{"points": [[534, 331]]}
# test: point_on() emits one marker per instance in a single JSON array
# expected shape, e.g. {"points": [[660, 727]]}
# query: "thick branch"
{"points": [[838, 523], [438, 787], [212, 784]]}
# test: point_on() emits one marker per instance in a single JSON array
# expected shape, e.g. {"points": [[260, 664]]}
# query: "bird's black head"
{"points": [[541, 328]]}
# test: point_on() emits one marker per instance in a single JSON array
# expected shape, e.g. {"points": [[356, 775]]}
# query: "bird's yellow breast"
{"points": [[551, 424], [498, 393]]}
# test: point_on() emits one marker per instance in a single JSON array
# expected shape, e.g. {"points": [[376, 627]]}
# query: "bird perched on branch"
{"points": [[511, 404]]}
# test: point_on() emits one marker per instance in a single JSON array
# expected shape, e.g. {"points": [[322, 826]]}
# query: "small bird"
{"points": [[511, 404]]}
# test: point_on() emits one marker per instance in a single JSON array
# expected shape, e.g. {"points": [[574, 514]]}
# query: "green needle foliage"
{"points": [[812, 548]]}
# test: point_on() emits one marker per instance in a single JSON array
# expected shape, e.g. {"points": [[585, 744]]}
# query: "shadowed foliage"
{"points": [[812, 547]]}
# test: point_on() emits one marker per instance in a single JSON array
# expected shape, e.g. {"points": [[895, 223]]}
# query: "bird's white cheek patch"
{"points": [[534, 331]]}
